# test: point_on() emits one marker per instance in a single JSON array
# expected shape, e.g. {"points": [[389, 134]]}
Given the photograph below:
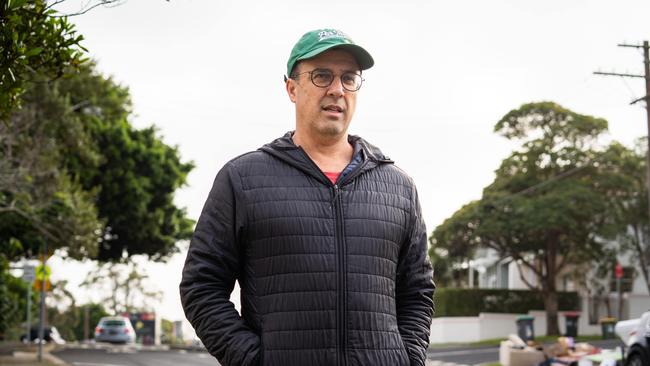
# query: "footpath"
{"points": [[14, 354]]}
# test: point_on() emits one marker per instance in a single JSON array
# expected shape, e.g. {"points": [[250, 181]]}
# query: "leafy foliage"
{"points": [[73, 171], [38, 199], [125, 287], [79, 175], [471, 302], [546, 207], [628, 190], [33, 42], [13, 302], [70, 321]]}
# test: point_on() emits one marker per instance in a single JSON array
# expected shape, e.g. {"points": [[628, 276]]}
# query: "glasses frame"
{"points": [[311, 77]]}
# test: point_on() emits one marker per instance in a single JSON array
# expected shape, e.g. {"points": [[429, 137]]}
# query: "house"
{"points": [[600, 295]]}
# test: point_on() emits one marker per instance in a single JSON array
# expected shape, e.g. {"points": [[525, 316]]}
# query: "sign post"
{"points": [[618, 272], [42, 274], [29, 275]]}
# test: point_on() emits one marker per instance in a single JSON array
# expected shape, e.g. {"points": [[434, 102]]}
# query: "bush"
{"points": [[471, 302]]}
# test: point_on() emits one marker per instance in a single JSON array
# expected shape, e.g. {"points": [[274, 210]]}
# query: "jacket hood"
{"points": [[284, 149]]}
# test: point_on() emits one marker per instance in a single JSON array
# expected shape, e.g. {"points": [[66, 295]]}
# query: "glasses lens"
{"points": [[322, 78], [351, 81]]}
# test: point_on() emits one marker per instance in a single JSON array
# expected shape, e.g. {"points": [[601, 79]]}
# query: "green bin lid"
{"points": [[608, 320], [526, 317]]}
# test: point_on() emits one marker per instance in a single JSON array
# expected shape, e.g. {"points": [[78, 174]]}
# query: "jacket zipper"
{"points": [[340, 243]]}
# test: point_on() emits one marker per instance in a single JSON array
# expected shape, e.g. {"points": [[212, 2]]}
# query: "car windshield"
{"points": [[114, 323]]}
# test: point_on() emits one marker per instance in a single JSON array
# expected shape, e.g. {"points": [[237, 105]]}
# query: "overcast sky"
{"points": [[208, 74]]}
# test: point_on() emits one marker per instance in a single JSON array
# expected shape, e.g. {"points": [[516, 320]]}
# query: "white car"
{"points": [[115, 329], [635, 334]]}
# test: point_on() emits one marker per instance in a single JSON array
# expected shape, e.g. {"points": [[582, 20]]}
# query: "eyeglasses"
{"points": [[322, 78]]}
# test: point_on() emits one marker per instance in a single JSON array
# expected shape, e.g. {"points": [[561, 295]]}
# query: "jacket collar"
{"points": [[284, 149]]}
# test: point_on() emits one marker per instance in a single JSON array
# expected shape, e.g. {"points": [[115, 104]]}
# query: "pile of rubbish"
{"points": [[515, 352]]}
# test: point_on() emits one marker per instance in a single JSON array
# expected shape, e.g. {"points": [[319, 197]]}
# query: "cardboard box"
{"points": [[509, 356]]}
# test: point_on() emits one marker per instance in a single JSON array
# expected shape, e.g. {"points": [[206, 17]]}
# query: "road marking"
{"points": [[95, 364]]}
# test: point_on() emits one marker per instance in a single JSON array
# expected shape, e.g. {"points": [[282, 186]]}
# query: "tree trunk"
{"points": [[549, 288], [551, 307]]}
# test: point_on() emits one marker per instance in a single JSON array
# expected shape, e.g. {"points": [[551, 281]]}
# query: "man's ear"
{"points": [[291, 85]]}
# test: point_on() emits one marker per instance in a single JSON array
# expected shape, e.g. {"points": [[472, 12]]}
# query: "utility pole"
{"points": [[646, 76], [646, 62], [41, 325]]}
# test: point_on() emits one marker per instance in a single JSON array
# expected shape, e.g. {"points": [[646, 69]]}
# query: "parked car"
{"points": [[636, 335], [115, 329], [50, 335]]}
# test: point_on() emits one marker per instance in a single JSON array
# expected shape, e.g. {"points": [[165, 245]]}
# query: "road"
{"points": [[131, 356], [489, 354], [465, 355], [106, 355]]}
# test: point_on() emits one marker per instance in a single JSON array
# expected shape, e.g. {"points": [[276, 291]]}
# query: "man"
{"points": [[322, 231]]}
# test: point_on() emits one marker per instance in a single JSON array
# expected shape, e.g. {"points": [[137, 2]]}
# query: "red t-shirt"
{"points": [[332, 176]]}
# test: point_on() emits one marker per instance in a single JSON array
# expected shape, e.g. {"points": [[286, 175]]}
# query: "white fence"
{"points": [[464, 329], [492, 325]]}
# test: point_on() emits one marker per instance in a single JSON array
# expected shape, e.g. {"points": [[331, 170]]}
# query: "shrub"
{"points": [[471, 302]]}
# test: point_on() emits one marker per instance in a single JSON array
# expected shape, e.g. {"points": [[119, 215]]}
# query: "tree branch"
{"points": [[107, 3]]}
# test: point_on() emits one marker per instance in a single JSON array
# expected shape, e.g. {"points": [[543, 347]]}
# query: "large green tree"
{"points": [[74, 173], [114, 183], [136, 174], [546, 208]]}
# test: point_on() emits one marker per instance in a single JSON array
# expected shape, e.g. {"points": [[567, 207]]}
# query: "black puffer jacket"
{"points": [[331, 275]]}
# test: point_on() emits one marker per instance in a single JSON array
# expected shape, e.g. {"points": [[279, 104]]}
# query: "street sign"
{"points": [[39, 284], [618, 271], [44, 258], [29, 273], [43, 272]]}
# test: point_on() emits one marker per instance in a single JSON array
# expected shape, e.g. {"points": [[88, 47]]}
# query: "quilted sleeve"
{"points": [[212, 265], [415, 287]]}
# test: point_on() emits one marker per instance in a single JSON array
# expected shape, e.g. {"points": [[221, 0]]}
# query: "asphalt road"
{"points": [[465, 355], [130, 356], [488, 354], [133, 356]]}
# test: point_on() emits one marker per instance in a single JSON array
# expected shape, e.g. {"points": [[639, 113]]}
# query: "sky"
{"points": [[208, 75]]}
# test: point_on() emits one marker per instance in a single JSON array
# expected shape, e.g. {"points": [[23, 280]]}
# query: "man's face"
{"points": [[323, 112]]}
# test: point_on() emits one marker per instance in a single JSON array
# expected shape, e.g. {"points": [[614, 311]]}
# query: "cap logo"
{"points": [[327, 34]]}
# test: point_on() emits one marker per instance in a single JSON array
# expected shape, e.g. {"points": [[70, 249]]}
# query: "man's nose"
{"points": [[336, 88]]}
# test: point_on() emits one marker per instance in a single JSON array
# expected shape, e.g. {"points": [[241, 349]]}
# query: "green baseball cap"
{"points": [[320, 40]]}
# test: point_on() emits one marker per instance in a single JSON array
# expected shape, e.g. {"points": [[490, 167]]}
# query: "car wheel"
{"points": [[637, 357]]}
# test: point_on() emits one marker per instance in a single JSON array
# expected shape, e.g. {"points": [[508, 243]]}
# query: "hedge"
{"points": [[471, 302]]}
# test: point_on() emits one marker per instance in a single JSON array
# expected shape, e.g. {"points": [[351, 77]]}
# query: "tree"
{"points": [[13, 302], [546, 208], [124, 285], [74, 167], [135, 174], [629, 197], [38, 200], [70, 321], [450, 262], [33, 42]]}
